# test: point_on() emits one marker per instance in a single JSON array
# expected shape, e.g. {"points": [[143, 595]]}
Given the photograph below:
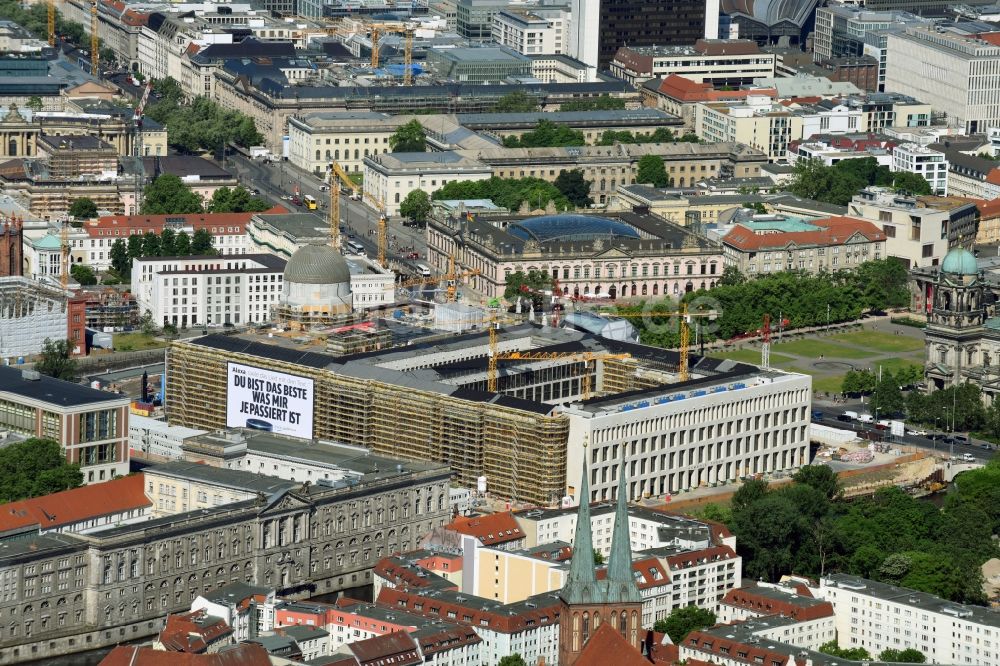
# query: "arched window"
{"points": [[318, 154], [586, 628], [624, 624]]}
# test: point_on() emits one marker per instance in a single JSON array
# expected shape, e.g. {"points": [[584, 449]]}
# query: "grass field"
{"points": [[816, 347], [136, 342], [751, 356], [879, 341]]}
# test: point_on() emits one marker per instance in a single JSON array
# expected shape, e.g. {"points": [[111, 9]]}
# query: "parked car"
{"points": [[962, 438], [817, 415], [296, 201], [916, 433], [413, 255]]}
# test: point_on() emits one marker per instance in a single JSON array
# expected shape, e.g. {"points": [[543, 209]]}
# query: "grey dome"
{"points": [[317, 264]]}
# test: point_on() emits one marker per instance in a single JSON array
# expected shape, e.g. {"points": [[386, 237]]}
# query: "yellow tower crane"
{"points": [[337, 176], [52, 22], [95, 60], [685, 318], [380, 29], [452, 277]]}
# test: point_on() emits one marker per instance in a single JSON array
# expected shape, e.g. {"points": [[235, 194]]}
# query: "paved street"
{"points": [[277, 179]]}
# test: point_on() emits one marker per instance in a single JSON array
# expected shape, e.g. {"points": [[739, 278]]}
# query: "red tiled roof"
{"points": [[767, 605], [651, 573], [990, 37], [436, 608], [448, 638], [993, 177], [989, 209], [834, 231], [662, 650], [72, 506], [607, 646], [193, 632], [685, 90], [696, 557], [710, 644], [155, 223], [490, 529], [134, 18], [726, 47], [398, 646], [402, 574], [245, 654]]}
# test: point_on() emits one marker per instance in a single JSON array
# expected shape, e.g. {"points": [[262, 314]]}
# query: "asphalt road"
{"points": [[956, 449], [278, 179]]}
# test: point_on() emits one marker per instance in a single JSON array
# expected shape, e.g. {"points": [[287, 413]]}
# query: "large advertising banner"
{"points": [[271, 401]]}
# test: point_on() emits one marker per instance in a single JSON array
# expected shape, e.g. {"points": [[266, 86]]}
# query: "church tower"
{"points": [[955, 321], [588, 602]]}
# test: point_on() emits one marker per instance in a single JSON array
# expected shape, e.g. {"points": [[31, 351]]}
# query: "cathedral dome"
{"points": [[960, 261], [317, 264]]}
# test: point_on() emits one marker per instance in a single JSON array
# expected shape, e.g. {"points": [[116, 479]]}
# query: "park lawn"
{"points": [[136, 342], [823, 383], [750, 356], [880, 341], [894, 365], [813, 348]]}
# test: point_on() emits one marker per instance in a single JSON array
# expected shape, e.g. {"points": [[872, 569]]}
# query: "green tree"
{"points": [[820, 477], [167, 248], [510, 193], [839, 183], [546, 135], [731, 276], [55, 360], [83, 209], [202, 124], [201, 242], [169, 90], [83, 274], [574, 187], [121, 262], [907, 656], [135, 248], [409, 138], [652, 172], [528, 285], [602, 103], [416, 206], [682, 621], [751, 491], [168, 195], [33, 468], [182, 244], [911, 182], [35, 103], [598, 558], [235, 200], [146, 324], [151, 245], [834, 650], [887, 399], [512, 660], [516, 102]]}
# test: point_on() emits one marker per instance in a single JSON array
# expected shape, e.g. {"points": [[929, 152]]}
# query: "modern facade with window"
{"points": [[208, 290], [776, 243], [531, 32], [925, 162], [90, 425], [628, 255], [345, 137], [488, 64], [919, 230]]}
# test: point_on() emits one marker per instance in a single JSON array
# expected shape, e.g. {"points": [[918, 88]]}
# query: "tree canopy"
{"points": [[83, 274], [416, 206], [409, 138], [839, 183], [507, 192], [682, 621], [602, 103], [202, 124], [235, 200], [651, 171], [33, 468], [528, 286], [659, 135], [55, 360], [83, 209], [512, 660], [546, 135], [574, 187], [516, 102], [168, 195]]}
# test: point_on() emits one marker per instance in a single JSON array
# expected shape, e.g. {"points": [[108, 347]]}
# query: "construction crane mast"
{"points": [[52, 22], [382, 231], [451, 277], [337, 176], [765, 347], [380, 29], [64, 244], [95, 43]]}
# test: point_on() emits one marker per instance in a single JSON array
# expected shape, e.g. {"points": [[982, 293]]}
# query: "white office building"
{"points": [[157, 440], [392, 176], [876, 616], [685, 437], [531, 32], [926, 162], [208, 290]]}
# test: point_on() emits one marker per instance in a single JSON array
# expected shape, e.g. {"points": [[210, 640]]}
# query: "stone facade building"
{"points": [[68, 593]]}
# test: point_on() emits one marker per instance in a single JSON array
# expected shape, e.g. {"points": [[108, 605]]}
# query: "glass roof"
{"points": [[570, 227]]}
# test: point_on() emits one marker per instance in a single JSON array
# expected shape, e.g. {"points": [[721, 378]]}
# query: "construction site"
{"points": [[509, 409]]}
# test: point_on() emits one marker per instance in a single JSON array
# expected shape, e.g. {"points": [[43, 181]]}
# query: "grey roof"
{"points": [[55, 392], [234, 593], [304, 632], [297, 227], [623, 116], [317, 264], [228, 478]]}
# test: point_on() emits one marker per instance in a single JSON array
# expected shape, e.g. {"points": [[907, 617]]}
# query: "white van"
{"points": [[866, 418]]}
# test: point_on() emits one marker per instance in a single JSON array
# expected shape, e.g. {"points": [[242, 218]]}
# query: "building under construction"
{"points": [[431, 401]]}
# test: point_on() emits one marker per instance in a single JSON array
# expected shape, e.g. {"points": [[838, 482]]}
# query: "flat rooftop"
{"points": [[54, 392]]}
